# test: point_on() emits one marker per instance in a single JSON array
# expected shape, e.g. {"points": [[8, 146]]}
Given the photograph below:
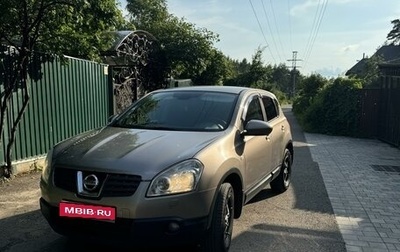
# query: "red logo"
{"points": [[87, 211]]}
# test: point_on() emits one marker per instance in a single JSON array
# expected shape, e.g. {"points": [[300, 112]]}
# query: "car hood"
{"points": [[130, 151]]}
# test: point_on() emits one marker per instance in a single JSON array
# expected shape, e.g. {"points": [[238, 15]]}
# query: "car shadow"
{"points": [[307, 181], [263, 195], [30, 232]]}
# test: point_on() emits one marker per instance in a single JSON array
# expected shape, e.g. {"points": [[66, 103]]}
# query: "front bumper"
{"points": [[165, 231]]}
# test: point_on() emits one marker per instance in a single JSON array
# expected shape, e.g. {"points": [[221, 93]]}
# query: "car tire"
{"points": [[281, 183], [219, 236]]}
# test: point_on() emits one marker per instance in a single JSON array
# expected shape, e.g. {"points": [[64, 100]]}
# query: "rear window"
{"points": [[271, 108]]}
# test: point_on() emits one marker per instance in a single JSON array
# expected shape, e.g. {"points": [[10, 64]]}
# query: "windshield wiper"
{"points": [[147, 125]]}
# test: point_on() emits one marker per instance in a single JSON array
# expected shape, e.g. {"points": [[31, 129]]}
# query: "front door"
{"points": [[257, 149]]}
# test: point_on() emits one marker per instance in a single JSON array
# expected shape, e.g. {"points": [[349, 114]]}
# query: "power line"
{"points": [[270, 29], [276, 25], [290, 26], [312, 28], [262, 32], [315, 29], [325, 4]]}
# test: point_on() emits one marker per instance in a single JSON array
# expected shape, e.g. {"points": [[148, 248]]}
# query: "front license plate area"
{"points": [[76, 210]]}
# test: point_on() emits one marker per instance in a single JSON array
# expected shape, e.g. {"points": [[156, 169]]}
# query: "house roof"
{"points": [[390, 54], [358, 68]]}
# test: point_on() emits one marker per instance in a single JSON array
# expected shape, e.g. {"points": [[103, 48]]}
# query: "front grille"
{"points": [[119, 185], [112, 184], [65, 179]]}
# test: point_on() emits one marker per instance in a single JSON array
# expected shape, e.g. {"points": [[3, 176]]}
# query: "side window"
{"points": [[271, 107], [254, 111]]}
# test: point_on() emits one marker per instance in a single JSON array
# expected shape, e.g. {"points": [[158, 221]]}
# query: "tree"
{"points": [[370, 78], [74, 27], [312, 85], [258, 73], [71, 27], [394, 34], [186, 50], [215, 71], [281, 77], [308, 89], [146, 13]]}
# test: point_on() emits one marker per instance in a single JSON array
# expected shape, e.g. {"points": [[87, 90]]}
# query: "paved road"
{"points": [[301, 219], [362, 178]]}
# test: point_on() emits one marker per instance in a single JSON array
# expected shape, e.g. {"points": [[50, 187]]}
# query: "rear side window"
{"points": [[271, 108], [254, 111]]}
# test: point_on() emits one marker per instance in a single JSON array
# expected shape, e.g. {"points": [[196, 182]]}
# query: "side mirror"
{"points": [[257, 128]]}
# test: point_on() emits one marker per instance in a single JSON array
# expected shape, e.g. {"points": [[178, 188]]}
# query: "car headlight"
{"points": [[47, 167], [180, 178]]}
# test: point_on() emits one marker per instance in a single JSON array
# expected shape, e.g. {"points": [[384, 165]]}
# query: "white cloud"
{"points": [[349, 48], [300, 10]]}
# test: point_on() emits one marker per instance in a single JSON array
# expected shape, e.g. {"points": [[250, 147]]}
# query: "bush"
{"points": [[308, 90], [334, 110]]}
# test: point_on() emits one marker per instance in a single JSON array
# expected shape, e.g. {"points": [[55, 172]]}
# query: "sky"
{"points": [[329, 36]]}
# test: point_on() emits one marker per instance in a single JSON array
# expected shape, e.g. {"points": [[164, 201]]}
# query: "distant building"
{"points": [[180, 83], [390, 54]]}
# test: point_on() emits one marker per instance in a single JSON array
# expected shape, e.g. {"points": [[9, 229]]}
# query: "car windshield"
{"points": [[180, 110]]}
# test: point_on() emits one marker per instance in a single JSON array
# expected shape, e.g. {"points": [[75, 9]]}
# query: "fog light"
{"points": [[173, 227]]}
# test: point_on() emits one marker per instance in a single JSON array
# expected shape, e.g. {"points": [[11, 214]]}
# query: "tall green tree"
{"points": [[253, 74], [282, 79], [215, 71], [258, 74], [394, 34], [187, 51], [146, 13], [71, 27]]}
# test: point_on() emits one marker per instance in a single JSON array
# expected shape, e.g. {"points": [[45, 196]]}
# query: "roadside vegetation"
{"points": [[328, 106], [333, 106]]}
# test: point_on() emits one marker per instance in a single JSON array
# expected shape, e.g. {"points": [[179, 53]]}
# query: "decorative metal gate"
{"points": [[126, 59]]}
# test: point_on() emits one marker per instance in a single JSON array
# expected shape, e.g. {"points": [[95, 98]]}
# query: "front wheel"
{"points": [[219, 237], [282, 182]]}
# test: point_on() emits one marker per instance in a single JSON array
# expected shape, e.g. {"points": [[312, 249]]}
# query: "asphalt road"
{"points": [[301, 219]]}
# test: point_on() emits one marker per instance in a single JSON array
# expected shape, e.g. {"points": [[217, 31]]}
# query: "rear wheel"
{"points": [[282, 182], [219, 237]]}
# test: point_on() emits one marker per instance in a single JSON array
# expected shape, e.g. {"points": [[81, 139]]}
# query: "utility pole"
{"points": [[294, 66]]}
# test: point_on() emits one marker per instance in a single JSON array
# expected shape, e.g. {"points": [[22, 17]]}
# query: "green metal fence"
{"points": [[67, 100]]}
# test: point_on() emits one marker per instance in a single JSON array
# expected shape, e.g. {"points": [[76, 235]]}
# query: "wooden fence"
{"points": [[380, 108]]}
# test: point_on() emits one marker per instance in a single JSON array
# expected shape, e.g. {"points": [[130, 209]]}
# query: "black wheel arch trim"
{"points": [[238, 194]]}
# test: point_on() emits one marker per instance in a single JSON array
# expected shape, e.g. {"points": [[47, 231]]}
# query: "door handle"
{"points": [[283, 127]]}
